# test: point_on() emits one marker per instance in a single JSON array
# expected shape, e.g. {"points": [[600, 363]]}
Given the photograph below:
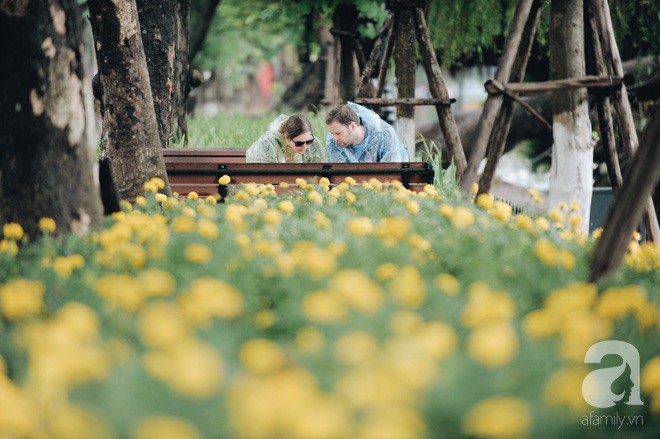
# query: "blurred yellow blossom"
{"points": [[361, 226], [286, 206], [501, 211], [493, 344], [8, 246], [413, 207], [486, 306], [499, 417], [161, 198], [323, 307], [64, 265], [12, 231], [564, 386], [315, 197], [198, 253], [206, 298], [448, 284], [355, 347], [264, 319], [486, 201], [162, 324], [21, 298], [386, 271], [617, 302], [224, 180], [357, 290], [262, 356], [156, 282], [309, 340], [47, 225], [462, 217], [163, 427], [192, 195], [408, 287], [446, 210]]}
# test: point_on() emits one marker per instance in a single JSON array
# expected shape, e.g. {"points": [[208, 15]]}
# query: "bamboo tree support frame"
{"points": [[495, 120], [440, 96]]}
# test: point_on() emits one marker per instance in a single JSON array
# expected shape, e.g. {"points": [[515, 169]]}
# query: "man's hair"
{"points": [[342, 114], [295, 126]]}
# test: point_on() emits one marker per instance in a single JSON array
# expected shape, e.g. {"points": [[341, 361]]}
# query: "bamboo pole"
{"points": [[534, 88], [439, 91], [493, 103], [628, 205]]}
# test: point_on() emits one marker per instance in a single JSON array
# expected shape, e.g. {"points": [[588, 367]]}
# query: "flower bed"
{"points": [[353, 311]]}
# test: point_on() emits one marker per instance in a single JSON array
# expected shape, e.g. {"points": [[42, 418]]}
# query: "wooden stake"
{"points": [[373, 58]]}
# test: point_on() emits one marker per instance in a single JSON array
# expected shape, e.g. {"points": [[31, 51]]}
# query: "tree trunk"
{"points": [[45, 153], [158, 21], [183, 81], [345, 22], [405, 66], [129, 118], [572, 154]]}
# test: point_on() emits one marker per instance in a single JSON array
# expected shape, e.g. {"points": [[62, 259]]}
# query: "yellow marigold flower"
{"points": [[191, 368], [486, 201], [272, 217], [322, 307], [355, 347], [575, 220], [286, 206], [405, 322], [156, 282], [21, 298], [413, 207], [563, 389], [361, 226], [493, 344], [462, 217], [446, 210], [546, 252], [386, 271], [541, 224], [541, 323], [8, 246], [198, 253], [120, 290], [188, 211], [393, 229], [316, 261], [150, 186], [161, 427], [321, 221], [183, 224], [556, 215], [524, 222], [475, 188], [192, 195], [430, 189], [140, 201], [224, 180], [206, 298], [161, 198], [64, 265], [262, 356], [408, 287], [448, 284], [376, 184], [486, 306], [162, 324], [47, 225], [566, 259], [650, 376], [68, 421], [357, 290], [310, 340], [437, 339], [284, 185], [350, 197], [501, 211], [207, 229], [500, 417], [418, 242], [264, 319], [211, 199], [12, 231], [617, 302], [350, 181], [324, 182], [533, 192]]}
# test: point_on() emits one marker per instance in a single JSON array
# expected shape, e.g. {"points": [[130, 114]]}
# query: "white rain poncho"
{"points": [[271, 148], [380, 143]]}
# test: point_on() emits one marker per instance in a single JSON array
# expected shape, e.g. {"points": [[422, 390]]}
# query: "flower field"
{"points": [[355, 311]]}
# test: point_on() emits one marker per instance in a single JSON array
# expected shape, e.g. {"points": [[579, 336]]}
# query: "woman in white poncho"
{"points": [[288, 140]]}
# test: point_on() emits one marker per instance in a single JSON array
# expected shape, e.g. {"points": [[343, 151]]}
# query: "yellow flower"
{"points": [[393, 229], [448, 284], [161, 198], [437, 339], [47, 225], [355, 347], [524, 222], [272, 217], [315, 197], [499, 417], [156, 282], [408, 287], [475, 188], [462, 217], [21, 298], [162, 324], [198, 253], [501, 211], [224, 180], [286, 206], [310, 340], [486, 201], [556, 215], [493, 344], [120, 290], [564, 386], [617, 302], [405, 322], [192, 195], [486, 306], [183, 224], [206, 298], [150, 186], [262, 356], [650, 376], [9, 246], [413, 207], [190, 367], [207, 229], [350, 181], [162, 427], [386, 271], [211, 199], [321, 221], [361, 226], [350, 197], [446, 210], [541, 323], [357, 290], [322, 307], [12, 231], [264, 319], [140, 201], [64, 265]]}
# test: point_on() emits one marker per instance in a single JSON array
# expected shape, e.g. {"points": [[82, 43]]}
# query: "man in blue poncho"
{"points": [[357, 134]]}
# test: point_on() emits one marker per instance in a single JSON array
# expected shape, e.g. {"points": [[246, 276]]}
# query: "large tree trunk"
{"points": [[129, 118], [158, 21], [405, 63], [45, 150], [572, 154]]}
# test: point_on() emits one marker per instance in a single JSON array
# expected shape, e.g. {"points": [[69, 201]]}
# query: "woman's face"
{"points": [[301, 142]]}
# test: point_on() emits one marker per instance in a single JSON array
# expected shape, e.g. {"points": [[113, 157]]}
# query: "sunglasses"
{"points": [[304, 142]]}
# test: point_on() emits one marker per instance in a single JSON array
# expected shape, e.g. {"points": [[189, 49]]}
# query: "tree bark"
{"points": [[45, 152], [129, 118], [572, 154], [405, 67], [158, 21], [345, 21], [184, 80]]}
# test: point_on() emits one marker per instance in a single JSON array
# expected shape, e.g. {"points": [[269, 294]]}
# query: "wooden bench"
{"points": [[199, 170]]}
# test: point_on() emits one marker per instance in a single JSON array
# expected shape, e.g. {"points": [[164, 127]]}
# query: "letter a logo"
{"points": [[597, 385]]}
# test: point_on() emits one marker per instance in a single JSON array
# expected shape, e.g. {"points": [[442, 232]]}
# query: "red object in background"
{"points": [[265, 77]]}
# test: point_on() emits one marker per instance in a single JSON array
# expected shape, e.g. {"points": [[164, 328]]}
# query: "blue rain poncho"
{"points": [[380, 143], [271, 148]]}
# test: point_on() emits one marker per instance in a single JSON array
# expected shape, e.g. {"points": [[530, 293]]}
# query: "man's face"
{"points": [[344, 135]]}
